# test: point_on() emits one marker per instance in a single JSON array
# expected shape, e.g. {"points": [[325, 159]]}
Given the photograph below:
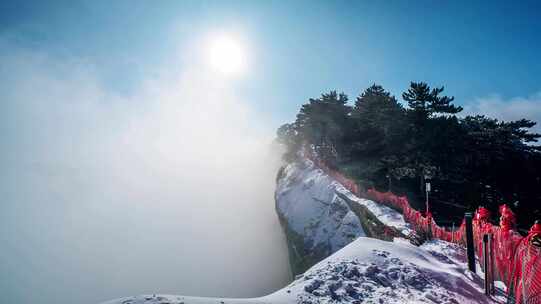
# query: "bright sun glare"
{"points": [[227, 56]]}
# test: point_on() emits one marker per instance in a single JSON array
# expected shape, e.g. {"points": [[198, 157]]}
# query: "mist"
{"points": [[168, 189]]}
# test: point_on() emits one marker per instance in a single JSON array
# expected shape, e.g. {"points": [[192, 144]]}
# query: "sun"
{"points": [[227, 55]]}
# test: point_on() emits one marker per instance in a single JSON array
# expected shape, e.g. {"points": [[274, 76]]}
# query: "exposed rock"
{"points": [[319, 216]]}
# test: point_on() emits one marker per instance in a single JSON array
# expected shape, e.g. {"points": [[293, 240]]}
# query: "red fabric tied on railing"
{"points": [[440, 233], [504, 246], [526, 269], [481, 226]]}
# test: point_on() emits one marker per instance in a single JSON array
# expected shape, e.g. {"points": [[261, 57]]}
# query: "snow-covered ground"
{"points": [[369, 271], [374, 271]]}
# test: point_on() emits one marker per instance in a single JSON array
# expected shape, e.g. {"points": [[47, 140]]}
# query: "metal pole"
{"points": [[491, 257], [453, 233], [469, 241], [427, 187], [429, 228], [486, 264]]}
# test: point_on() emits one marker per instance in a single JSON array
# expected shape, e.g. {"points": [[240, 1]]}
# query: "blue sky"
{"points": [[300, 49]]}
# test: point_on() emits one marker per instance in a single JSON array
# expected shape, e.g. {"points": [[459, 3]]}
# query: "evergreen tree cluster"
{"points": [[470, 161]]}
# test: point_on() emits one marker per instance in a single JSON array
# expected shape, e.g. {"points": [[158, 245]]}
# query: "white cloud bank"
{"points": [[495, 106], [169, 190]]}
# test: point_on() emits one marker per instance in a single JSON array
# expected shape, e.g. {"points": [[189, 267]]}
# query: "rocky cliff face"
{"points": [[316, 221], [320, 216]]}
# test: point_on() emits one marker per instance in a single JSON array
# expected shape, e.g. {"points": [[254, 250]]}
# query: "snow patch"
{"points": [[386, 215]]}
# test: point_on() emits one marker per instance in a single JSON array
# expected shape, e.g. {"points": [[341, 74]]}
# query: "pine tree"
{"points": [[288, 136], [378, 120], [426, 102], [324, 122]]}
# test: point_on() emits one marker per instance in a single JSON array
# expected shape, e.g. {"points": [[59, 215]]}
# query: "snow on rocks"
{"points": [[320, 216], [306, 199], [386, 215], [374, 271]]}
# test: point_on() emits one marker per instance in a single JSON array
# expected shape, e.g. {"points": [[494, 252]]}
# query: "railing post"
{"points": [[486, 264], [453, 233], [491, 257], [429, 225], [469, 241]]}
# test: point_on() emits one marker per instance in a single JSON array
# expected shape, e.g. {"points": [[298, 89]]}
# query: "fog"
{"points": [[168, 189]]}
